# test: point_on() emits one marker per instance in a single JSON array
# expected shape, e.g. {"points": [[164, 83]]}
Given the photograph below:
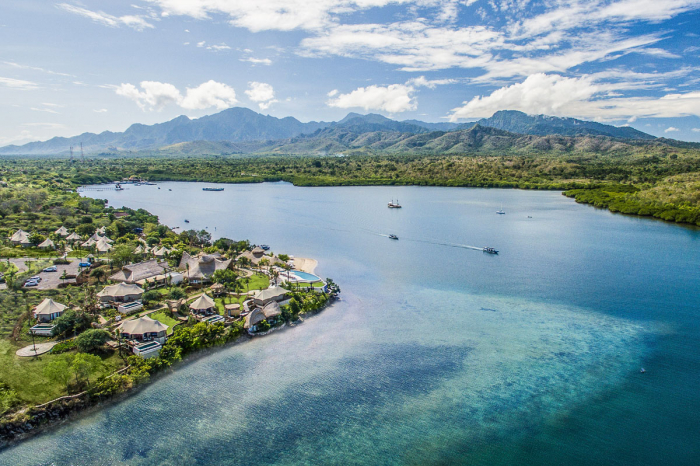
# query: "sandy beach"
{"points": [[305, 264]]}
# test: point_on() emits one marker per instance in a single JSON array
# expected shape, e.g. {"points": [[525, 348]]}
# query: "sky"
{"points": [[68, 67]]}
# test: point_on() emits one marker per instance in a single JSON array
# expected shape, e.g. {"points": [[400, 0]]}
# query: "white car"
{"points": [[53, 268]]}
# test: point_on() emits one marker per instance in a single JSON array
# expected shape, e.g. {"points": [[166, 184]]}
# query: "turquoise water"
{"points": [[306, 276], [437, 353]]}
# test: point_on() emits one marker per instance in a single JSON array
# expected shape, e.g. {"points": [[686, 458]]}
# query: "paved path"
{"points": [[41, 348]]}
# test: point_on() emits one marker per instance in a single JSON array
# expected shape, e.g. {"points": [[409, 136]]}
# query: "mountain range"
{"points": [[241, 130]]}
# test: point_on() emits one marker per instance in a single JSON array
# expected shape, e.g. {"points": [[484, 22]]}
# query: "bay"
{"points": [[437, 353]]}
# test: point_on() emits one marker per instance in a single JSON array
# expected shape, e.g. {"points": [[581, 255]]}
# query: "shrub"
{"points": [[151, 296], [64, 346], [61, 261], [177, 293], [92, 339]]}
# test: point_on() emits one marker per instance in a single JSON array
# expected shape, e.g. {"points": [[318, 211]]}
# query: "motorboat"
{"points": [[187, 221], [393, 237], [264, 247], [394, 205], [490, 251], [212, 189]]}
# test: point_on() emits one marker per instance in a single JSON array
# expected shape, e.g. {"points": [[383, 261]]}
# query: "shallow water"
{"points": [[437, 353]]}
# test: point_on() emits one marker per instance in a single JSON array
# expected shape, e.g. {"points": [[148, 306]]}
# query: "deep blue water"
{"points": [[437, 353]]}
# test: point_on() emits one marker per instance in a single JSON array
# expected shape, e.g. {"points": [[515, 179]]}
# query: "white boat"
{"points": [[501, 212], [394, 205]]}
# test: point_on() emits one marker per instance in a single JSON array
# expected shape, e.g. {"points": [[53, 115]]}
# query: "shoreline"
{"points": [[83, 408], [305, 264]]}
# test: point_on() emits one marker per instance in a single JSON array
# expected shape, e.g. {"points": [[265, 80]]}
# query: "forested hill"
{"points": [[476, 140], [543, 125], [239, 130]]}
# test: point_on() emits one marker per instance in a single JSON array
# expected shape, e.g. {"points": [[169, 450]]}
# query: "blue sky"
{"points": [[67, 67]]}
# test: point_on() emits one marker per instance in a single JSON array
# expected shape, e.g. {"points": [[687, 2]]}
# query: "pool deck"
{"points": [[305, 264]]}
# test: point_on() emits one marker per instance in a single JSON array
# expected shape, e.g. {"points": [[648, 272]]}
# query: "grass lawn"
{"points": [[220, 302], [257, 282], [26, 377], [167, 320]]}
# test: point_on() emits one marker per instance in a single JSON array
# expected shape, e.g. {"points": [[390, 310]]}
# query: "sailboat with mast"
{"points": [[394, 205], [501, 212]]}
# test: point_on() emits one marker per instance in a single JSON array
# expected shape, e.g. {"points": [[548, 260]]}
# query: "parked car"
{"points": [[31, 283], [53, 268], [84, 264], [37, 278]]}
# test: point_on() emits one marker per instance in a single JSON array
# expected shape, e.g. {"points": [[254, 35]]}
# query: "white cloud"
{"points": [[156, 95], [209, 94], [18, 84], [262, 93], [22, 136], [671, 129], [136, 22], [47, 110], [395, 98], [100, 110], [695, 130], [576, 97], [35, 68], [258, 61], [218, 48], [201, 44], [430, 83]]}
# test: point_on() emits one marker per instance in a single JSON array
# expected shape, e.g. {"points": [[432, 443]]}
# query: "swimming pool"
{"points": [[307, 277]]}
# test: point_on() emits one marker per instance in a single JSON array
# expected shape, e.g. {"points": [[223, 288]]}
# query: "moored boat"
{"points": [[394, 205], [212, 189]]}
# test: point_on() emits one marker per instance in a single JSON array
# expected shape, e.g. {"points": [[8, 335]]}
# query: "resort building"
{"points": [[133, 273], [253, 319], [200, 268], [258, 254], [161, 252], [49, 310], [276, 294], [62, 231], [120, 292], [21, 238], [144, 329], [73, 237], [203, 305], [47, 244]]}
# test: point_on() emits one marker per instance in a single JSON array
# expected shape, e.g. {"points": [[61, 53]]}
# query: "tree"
{"points": [[36, 239], [84, 365], [224, 276], [90, 304], [58, 371], [121, 255], [92, 339], [64, 275], [98, 274]]}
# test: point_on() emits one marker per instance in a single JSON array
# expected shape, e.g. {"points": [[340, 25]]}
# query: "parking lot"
{"points": [[51, 280]]}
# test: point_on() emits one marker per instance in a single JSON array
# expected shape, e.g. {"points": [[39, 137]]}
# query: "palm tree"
{"points": [[98, 274]]}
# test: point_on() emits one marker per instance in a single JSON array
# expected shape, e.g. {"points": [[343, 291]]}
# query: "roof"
{"points": [[254, 318], [161, 277], [73, 236], [134, 272], [270, 293], [258, 251], [48, 307], [89, 242], [272, 309], [142, 325], [203, 302], [20, 236], [47, 243], [120, 290], [255, 258], [202, 266], [217, 286], [103, 245], [62, 231]]}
